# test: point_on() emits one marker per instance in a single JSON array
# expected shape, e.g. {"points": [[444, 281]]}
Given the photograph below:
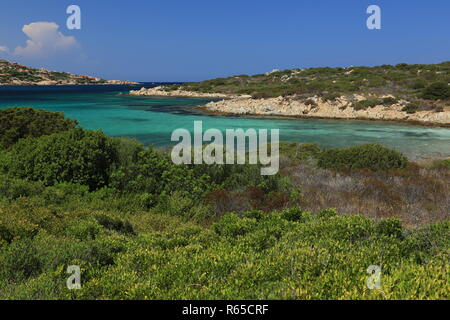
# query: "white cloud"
{"points": [[4, 49], [45, 40]]}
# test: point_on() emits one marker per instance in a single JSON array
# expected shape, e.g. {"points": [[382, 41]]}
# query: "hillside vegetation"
{"points": [[141, 227], [16, 74], [424, 87]]}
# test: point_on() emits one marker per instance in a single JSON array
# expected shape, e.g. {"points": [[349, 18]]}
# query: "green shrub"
{"points": [[441, 164], [331, 96], [295, 214], [389, 101], [237, 176], [19, 260], [437, 91], [418, 84], [254, 214], [299, 151], [76, 156], [410, 108], [12, 188], [310, 102], [18, 123], [231, 226], [371, 156], [153, 172], [327, 213], [115, 224], [86, 229], [390, 227], [368, 103]]}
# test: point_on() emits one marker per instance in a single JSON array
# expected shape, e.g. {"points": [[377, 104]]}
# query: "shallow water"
{"points": [[151, 120]]}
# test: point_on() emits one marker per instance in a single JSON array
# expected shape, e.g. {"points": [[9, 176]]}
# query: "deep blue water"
{"points": [[152, 120]]}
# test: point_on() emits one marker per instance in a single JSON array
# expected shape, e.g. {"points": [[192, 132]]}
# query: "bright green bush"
{"points": [[18, 123], [371, 156]]}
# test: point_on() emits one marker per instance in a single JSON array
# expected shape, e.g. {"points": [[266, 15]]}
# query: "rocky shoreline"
{"points": [[339, 109], [160, 92], [315, 107]]}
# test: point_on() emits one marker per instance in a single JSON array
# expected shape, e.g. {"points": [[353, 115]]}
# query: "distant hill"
{"points": [[16, 74], [423, 81]]}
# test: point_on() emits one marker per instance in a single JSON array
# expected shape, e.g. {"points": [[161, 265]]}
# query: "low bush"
{"points": [[444, 164], [12, 188], [153, 172], [331, 96], [437, 91], [371, 156], [18, 123], [368, 103], [311, 103], [76, 156], [389, 101], [299, 151], [410, 108]]}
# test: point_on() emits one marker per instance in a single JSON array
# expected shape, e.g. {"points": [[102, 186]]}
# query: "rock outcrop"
{"points": [[161, 92], [314, 107], [317, 108], [121, 82]]}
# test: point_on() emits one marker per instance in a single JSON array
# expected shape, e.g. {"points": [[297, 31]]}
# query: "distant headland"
{"points": [[16, 74]]}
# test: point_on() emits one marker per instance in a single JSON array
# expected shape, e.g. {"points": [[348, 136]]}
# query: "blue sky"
{"points": [[173, 40]]}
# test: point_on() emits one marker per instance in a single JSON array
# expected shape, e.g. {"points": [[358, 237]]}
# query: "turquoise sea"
{"points": [[152, 120]]}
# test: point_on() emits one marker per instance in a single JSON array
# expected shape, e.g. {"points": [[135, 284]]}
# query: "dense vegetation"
{"points": [[18, 123], [426, 87], [373, 157], [76, 156], [141, 227]]}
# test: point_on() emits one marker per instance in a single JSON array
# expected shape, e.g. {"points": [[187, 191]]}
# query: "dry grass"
{"points": [[416, 195]]}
